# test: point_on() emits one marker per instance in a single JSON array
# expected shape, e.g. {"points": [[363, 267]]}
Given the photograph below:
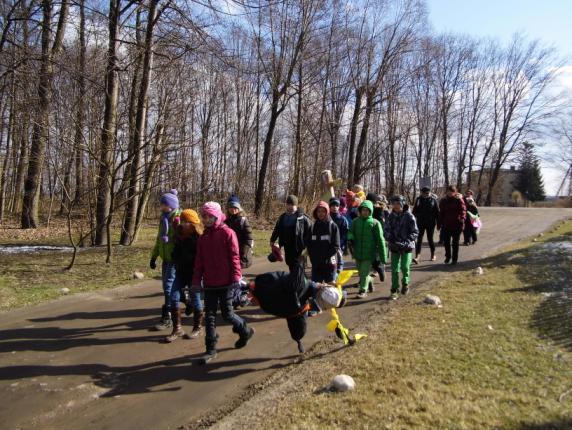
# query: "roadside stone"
{"points": [[432, 300], [343, 383], [138, 275], [65, 290], [478, 271]]}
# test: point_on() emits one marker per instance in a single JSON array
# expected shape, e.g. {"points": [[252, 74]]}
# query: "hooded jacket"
{"points": [[184, 254], [452, 213], [367, 237], [426, 211], [325, 239], [217, 263], [401, 231], [292, 239]]}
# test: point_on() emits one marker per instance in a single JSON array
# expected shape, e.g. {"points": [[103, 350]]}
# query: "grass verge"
{"points": [[498, 354], [28, 279]]}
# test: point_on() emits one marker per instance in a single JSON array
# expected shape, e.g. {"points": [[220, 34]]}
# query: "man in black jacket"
{"points": [[292, 230], [426, 211]]}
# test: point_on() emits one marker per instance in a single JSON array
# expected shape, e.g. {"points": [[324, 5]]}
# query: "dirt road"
{"points": [[91, 362]]}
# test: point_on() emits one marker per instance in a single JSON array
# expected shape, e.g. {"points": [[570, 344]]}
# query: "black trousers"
{"points": [[451, 241], [430, 229], [215, 298], [294, 259], [470, 233]]}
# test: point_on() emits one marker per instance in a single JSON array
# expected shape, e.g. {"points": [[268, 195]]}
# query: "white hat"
{"points": [[329, 297]]}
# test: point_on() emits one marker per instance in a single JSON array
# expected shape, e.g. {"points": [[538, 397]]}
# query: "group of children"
{"points": [[201, 253], [204, 254]]}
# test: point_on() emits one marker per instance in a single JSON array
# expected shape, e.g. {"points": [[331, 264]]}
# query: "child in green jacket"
{"points": [[164, 245], [366, 242]]}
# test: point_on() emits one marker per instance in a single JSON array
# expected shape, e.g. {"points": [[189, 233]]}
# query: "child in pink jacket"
{"points": [[217, 268]]}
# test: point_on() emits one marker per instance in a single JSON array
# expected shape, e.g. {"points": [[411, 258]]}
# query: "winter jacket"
{"points": [[184, 253], [426, 211], [294, 238], [401, 231], [217, 262], [324, 242], [343, 227], [239, 223], [472, 214], [366, 234], [452, 213], [165, 249]]}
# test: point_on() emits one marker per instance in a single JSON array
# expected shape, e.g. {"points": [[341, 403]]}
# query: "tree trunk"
{"points": [[353, 133], [30, 205], [80, 112], [363, 136], [108, 133], [259, 197], [127, 233]]}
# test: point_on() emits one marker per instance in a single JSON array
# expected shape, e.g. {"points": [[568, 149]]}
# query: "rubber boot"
{"points": [[177, 326], [244, 337], [197, 325], [165, 322]]}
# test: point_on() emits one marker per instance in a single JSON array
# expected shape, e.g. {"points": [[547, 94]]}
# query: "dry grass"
{"points": [[497, 355]]}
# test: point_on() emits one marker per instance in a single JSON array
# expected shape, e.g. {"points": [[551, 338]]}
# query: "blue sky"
{"points": [[548, 20]]}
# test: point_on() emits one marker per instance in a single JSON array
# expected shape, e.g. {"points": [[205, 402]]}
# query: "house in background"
{"points": [[504, 192]]}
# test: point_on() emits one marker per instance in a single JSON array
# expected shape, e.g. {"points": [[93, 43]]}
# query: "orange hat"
{"points": [[191, 216]]}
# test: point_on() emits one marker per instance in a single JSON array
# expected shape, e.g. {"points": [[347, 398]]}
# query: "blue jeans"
{"points": [[215, 297], [168, 276], [177, 292]]}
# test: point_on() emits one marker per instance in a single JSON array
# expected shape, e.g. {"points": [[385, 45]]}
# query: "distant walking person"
{"points": [[400, 232], [426, 212], [472, 222], [452, 213], [236, 219], [292, 231]]}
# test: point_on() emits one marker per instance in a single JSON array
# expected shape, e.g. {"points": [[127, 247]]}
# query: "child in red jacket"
{"points": [[217, 267]]}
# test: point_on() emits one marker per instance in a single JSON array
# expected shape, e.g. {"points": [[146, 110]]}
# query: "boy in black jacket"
{"points": [[236, 219], [324, 245], [292, 231]]}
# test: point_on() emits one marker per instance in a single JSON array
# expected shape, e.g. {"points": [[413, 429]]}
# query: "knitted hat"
{"points": [[191, 216], [292, 200], [233, 202], [170, 199], [213, 209], [334, 201]]}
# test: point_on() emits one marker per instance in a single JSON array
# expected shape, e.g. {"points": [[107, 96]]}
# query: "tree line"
{"points": [[103, 105]]}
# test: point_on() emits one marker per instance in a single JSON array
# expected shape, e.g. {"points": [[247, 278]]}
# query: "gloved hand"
{"points": [[153, 264]]}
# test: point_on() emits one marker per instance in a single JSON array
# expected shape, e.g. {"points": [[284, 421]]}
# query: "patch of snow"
{"points": [[32, 249]]}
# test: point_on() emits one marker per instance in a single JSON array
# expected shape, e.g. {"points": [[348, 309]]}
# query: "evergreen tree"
{"points": [[530, 182]]}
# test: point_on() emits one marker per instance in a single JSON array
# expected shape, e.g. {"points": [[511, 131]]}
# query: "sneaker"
{"points": [[447, 260], [244, 338], [415, 261], [207, 356], [433, 258], [404, 290], [196, 332], [361, 295], [370, 287], [165, 324], [394, 295]]}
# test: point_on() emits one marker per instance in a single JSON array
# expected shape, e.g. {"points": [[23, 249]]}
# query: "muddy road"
{"points": [[90, 361]]}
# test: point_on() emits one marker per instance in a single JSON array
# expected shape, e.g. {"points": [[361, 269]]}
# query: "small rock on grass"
{"points": [[138, 275], [432, 300], [478, 271], [342, 383], [65, 290]]}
